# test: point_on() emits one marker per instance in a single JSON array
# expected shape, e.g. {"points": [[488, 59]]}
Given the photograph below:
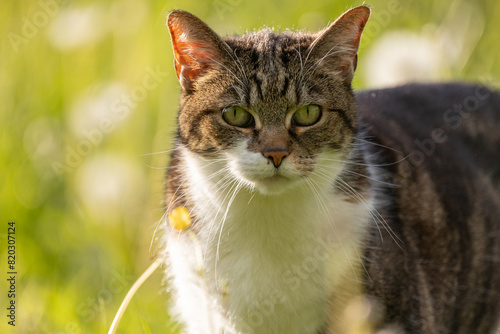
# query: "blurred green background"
{"points": [[88, 106]]}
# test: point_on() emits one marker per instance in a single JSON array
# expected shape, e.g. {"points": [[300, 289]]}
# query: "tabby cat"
{"points": [[305, 198]]}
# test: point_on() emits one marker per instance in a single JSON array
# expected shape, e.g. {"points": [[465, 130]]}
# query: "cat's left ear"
{"points": [[338, 44]]}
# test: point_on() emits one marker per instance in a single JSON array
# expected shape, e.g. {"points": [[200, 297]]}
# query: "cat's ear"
{"points": [[338, 44], [197, 48]]}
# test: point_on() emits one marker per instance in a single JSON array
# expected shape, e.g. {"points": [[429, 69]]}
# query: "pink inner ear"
{"points": [[192, 56], [361, 27]]}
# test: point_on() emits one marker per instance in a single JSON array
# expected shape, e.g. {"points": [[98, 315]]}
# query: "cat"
{"points": [[305, 198]]}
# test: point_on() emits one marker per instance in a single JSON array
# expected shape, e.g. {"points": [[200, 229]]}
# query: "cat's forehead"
{"points": [[270, 43], [272, 63]]}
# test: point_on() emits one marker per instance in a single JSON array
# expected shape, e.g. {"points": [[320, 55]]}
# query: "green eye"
{"points": [[307, 115], [237, 116]]}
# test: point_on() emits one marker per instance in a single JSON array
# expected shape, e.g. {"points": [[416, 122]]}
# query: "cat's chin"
{"points": [[275, 185]]}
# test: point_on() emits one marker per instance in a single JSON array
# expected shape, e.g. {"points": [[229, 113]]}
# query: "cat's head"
{"points": [[270, 108]]}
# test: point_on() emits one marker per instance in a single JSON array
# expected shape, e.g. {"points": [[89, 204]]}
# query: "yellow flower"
{"points": [[179, 219]]}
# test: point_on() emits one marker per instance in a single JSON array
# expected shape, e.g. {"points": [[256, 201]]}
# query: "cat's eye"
{"points": [[307, 115], [238, 117]]}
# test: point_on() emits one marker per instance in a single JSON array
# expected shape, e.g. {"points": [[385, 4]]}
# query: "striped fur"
{"points": [[393, 194]]}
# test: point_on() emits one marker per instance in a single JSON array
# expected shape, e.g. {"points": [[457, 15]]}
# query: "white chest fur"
{"points": [[272, 264]]}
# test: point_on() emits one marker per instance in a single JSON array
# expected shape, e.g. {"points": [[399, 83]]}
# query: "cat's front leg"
{"points": [[194, 305]]}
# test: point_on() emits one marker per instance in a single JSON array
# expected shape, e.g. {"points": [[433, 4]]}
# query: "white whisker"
{"points": [[323, 205], [379, 145], [346, 170], [154, 153], [233, 196], [378, 218]]}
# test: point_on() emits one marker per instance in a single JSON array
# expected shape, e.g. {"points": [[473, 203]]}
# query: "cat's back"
{"points": [[438, 146], [430, 120]]}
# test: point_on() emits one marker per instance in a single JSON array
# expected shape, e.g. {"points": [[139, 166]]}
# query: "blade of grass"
{"points": [[151, 269]]}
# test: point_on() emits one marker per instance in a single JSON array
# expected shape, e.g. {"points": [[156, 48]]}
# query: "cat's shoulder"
{"points": [[418, 110], [435, 126]]}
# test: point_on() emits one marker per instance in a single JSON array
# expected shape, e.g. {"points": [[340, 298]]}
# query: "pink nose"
{"points": [[276, 155]]}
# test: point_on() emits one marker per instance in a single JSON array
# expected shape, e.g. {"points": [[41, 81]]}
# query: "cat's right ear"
{"points": [[197, 48], [337, 46]]}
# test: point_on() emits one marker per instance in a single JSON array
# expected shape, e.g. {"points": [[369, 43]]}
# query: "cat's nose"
{"points": [[276, 155]]}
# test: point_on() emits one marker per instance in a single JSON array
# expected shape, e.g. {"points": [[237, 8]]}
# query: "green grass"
{"points": [[85, 222]]}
